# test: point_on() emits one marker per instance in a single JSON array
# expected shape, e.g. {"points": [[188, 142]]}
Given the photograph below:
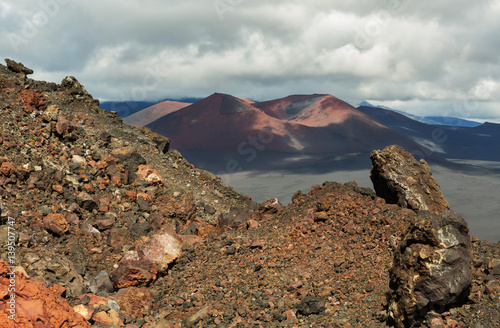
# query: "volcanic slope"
{"points": [[359, 131], [79, 189], [152, 113], [222, 122], [476, 143], [306, 124]]}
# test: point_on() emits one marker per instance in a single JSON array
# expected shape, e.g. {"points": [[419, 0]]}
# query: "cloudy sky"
{"points": [[424, 57]]}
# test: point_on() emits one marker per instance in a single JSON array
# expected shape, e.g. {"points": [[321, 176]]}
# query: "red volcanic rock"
{"points": [[145, 197], [190, 240], [180, 208], [103, 224], [55, 223], [133, 273], [149, 174], [108, 318], [134, 302], [57, 290], [32, 100], [89, 188], [58, 188], [150, 114], [93, 300], [131, 195], [36, 306], [7, 168], [84, 311], [252, 224], [160, 249], [63, 125], [271, 206], [290, 316], [116, 181], [197, 317]]}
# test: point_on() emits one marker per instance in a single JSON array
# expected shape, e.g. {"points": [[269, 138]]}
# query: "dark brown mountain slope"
{"points": [[222, 122], [476, 143], [302, 124]]}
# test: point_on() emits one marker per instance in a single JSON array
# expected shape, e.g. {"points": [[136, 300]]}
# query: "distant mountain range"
{"points": [[303, 129], [453, 142], [154, 112], [435, 120], [452, 121], [130, 107], [308, 127]]}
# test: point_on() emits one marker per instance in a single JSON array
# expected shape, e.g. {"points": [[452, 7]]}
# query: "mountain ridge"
{"points": [[480, 142], [152, 113], [433, 120], [304, 124]]}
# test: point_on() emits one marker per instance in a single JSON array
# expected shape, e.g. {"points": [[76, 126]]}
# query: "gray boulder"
{"points": [[18, 67], [101, 283], [400, 179], [432, 269], [54, 268]]}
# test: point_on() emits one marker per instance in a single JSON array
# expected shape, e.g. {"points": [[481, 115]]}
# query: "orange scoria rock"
{"points": [[149, 174], [35, 305]]}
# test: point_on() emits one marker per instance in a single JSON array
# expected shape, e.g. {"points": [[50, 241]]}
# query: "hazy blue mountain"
{"points": [[452, 121], [435, 120], [453, 142]]}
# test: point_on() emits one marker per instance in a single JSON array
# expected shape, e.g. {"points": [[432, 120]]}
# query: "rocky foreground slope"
{"points": [[108, 227]]}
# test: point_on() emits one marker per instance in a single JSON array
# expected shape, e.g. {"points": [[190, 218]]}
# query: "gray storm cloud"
{"points": [[421, 56]]}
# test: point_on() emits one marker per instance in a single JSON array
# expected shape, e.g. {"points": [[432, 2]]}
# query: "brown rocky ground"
{"points": [[130, 234]]}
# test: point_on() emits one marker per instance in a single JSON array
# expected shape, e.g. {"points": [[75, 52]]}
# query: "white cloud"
{"points": [[425, 56]]}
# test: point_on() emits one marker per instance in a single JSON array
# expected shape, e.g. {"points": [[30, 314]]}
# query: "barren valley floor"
{"points": [[475, 195]]}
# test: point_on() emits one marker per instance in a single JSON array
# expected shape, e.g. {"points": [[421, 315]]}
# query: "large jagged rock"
{"points": [[32, 100], [180, 208], [34, 305], [54, 268], [238, 215], [129, 157], [432, 268], [71, 84], [400, 179], [159, 249], [149, 174], [63, 126], [100, 283], [134, 302], [17, 67], [134, 272]]}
